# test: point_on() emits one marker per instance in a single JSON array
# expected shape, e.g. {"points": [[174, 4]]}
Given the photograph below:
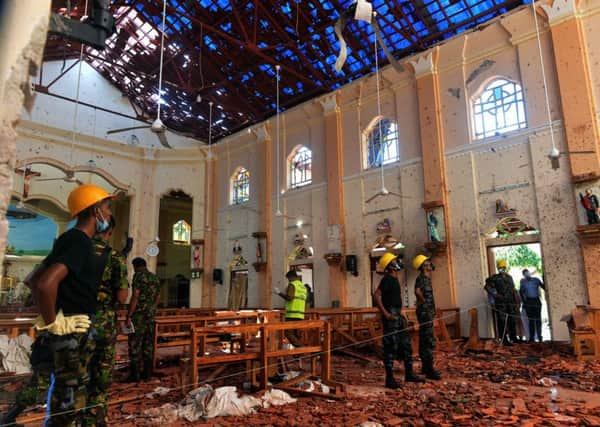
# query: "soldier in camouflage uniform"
{"points": [[504, 303], [142, 309], [425, 315], [113, 289]]}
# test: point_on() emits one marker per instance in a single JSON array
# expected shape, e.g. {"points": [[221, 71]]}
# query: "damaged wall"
{"points": [[513, 167], [22, 39]]}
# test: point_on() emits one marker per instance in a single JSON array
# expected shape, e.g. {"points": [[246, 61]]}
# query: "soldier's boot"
{"points": [[429, 371], [134, 375], [10, 417], [390, 381], [147, 374], [409, 374]]}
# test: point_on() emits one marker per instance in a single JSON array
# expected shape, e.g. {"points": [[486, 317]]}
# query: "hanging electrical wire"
{"points": [[554, 153]]}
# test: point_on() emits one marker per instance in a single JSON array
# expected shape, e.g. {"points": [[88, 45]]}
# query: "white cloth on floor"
{"points": [[15, 352]]}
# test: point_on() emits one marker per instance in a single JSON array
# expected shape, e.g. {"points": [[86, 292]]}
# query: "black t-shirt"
{"points": [[391, 293], [78, 291]]}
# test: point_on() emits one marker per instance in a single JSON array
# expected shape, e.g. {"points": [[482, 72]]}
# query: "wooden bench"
{"points": [[175, 331], [260, 356]]}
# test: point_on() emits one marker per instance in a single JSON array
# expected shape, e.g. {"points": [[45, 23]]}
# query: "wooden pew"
{"points": [[260, 356], [175, 331], [14, 327]]}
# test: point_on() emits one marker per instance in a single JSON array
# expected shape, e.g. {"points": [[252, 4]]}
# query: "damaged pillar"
{"points": [[580, 120], [23, 28], [335, 199], [434, 170]]}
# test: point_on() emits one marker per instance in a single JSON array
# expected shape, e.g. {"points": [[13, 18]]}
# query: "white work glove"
{"points": [[64, 325], [277, 291]]}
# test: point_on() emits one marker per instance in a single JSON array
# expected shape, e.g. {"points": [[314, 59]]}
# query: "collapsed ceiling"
{"points": [[226, 51]]}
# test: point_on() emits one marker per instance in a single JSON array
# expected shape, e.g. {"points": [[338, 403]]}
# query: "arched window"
{"points": [[499, 109], [182, 232], [382, 143], [300, 167], [240, 186]]}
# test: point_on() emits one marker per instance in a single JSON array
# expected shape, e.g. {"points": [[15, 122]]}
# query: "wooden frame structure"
{"points": [[269, 349]]}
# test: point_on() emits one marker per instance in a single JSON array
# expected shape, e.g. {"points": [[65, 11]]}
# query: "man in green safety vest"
{"points": [[295, 297]]}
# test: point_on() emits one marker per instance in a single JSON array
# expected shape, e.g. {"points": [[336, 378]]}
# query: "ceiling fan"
{"points": [[157, 126], [69, 177]]}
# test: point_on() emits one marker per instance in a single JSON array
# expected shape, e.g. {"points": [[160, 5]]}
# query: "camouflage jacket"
{"points": [[505, 287], [114, 279], [424, 283], [149, 286]]}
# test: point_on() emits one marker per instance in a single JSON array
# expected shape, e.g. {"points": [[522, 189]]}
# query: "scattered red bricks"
{"points": [[499, 387]]}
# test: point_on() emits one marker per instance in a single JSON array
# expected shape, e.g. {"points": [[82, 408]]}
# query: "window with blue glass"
{"points": [[240, 186], [499, 109], [182, 232], [300, 168], [382, 144]]}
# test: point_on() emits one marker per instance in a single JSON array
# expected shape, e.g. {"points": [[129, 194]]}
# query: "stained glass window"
{"points": [[301, 167], [240, 187], [182, 232], [382, 144], [499, 109]]}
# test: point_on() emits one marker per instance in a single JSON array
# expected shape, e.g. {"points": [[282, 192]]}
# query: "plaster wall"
{"points": [[512, 167]]}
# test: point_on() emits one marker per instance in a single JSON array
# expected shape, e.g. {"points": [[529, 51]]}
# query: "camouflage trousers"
{"points": [[101, 368], [426, 335], [396, 340], [506, 313], [69, 380], [141, 342]]}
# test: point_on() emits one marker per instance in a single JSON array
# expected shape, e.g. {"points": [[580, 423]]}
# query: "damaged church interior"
{"points": [[299, 213]]}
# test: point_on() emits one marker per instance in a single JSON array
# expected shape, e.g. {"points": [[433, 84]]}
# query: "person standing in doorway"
{"points": [[113, 290], [425, 314], [141, 313], [504, 303], [396, 339], [295, 304], [530, 295]]}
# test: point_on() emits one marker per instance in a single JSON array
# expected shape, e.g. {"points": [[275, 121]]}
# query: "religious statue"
{"points": [[432, 224], [591, 206]]}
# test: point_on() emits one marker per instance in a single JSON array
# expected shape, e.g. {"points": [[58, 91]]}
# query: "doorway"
{"points": [[519, 257], [173, 261]]}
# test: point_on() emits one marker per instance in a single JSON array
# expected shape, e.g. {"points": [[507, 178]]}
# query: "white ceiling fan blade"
{"points": [[126, 129], [162, 137]]}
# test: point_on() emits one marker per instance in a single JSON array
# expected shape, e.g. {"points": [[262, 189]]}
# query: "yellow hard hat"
{"points": [[85, 196], [419, 260], [501, 263], [385, 259]]}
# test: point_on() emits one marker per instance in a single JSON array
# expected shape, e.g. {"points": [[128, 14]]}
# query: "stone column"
{"points": [[265, 154], [580, 121], [434, 168], [335, 195], [209, 292], [23, 29]]}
